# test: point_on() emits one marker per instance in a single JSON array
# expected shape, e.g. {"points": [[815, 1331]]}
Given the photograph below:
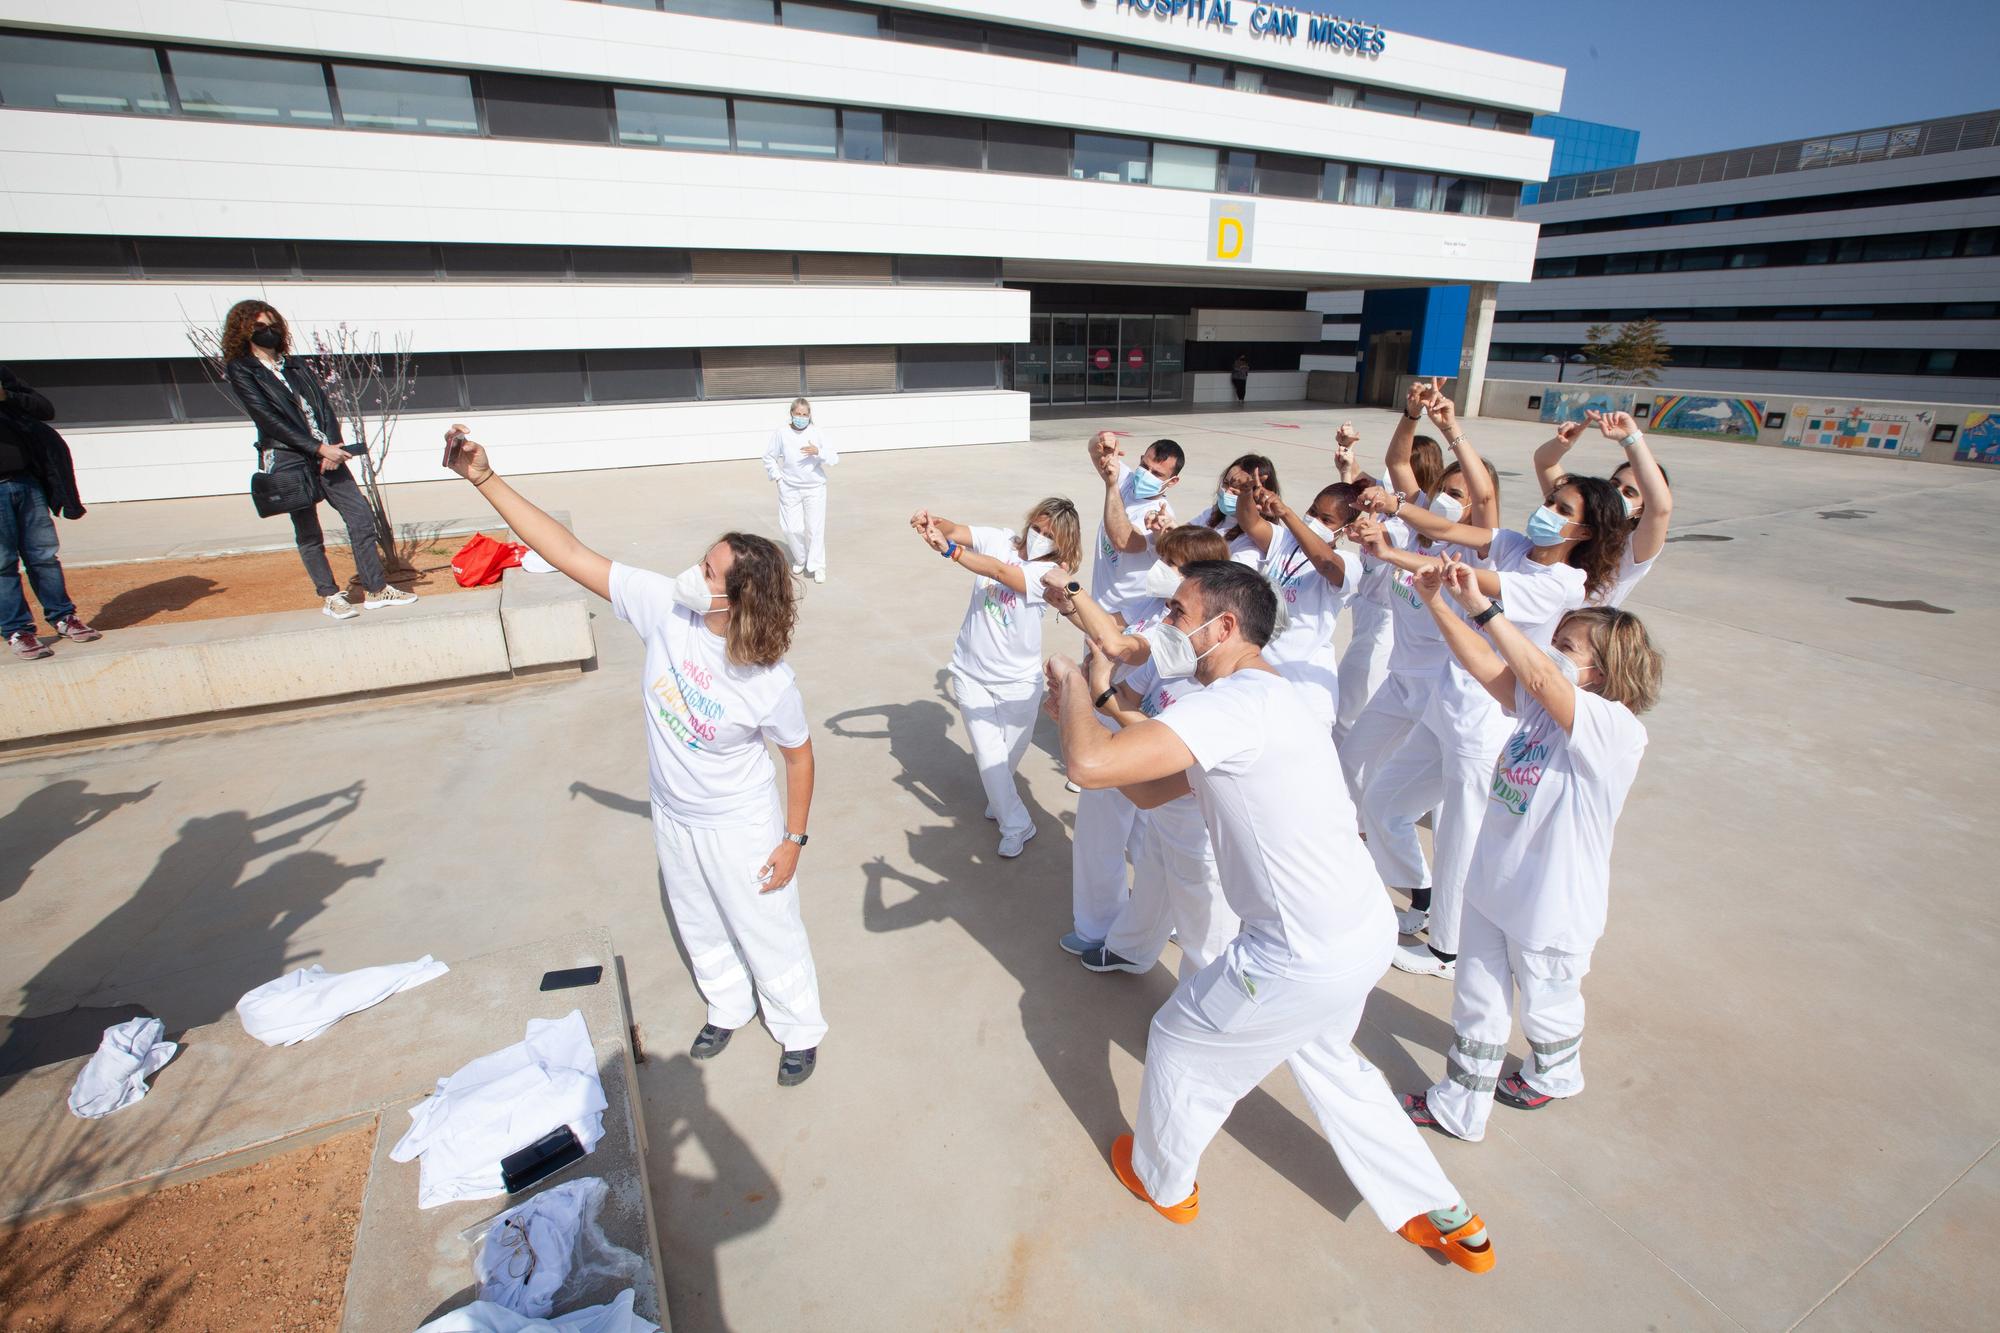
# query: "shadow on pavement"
{"points": [[48, 818]]}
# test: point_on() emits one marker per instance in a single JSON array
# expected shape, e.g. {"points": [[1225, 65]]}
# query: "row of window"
{"points": [[1934, 192], [1056, 48], [1972, 363], [1962, 243], [1724, 314], [155, 392], [39, 256], [64, 74]]}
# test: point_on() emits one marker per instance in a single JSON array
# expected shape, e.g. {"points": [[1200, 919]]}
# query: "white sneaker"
{"points": [[1012, 844], [798, 569], [1072, 788], [340, 608], [1419, 959], [819, 576], [1409, 920], [390, 595]]}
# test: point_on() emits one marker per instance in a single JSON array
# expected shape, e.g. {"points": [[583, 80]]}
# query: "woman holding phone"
{"points": [[716, 687]]}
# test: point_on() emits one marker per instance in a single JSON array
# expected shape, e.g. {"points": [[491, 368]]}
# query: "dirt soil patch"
{"points": [[261, 1247], [166, 592]]}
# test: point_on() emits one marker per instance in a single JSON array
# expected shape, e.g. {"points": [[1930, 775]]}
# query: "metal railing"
{"points": [[1953, 134]]}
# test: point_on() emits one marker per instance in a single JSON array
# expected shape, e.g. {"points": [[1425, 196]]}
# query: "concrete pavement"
{"points": [[1788, 1119]]}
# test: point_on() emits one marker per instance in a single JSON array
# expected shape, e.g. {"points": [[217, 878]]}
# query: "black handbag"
{"points": [[284, 490]]}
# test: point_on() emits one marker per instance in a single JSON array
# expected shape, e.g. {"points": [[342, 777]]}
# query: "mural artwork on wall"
{"points": [[1712, 418], [1569, 404], [1979, 441], [1857, 426]]}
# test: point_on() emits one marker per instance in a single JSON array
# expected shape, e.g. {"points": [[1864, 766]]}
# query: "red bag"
{"points": [[481, 560]]}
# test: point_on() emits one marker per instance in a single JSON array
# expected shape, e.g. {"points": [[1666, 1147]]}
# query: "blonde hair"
{"points": [[798, 403], [1633, 668], [1065, 530]]}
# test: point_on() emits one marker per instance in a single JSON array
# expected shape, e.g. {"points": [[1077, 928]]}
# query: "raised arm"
{"points": [[953, 541], [1148, 762], [1118, 530], [1549, 457], [544, 535], [1403, 478], [1122, 706], [1378, 501], [1324, 558], [1525, 663], [1466, 644], [1344, 441], [1373, 540], [1650, 537], [1104, 630], [1482, 499]]}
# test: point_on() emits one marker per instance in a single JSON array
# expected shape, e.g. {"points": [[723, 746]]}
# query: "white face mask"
{"points": [[1162, 580], [1037, 544], [1174, 656], [1625, 500], [1446, 506], [1563, 663], [691, 591], [1319, 529]]}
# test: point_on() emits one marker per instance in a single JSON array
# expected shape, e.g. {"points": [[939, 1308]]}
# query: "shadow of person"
{"points": [[195, 935], [135, 606], [48, 818], [611, 800], [920, 745]]}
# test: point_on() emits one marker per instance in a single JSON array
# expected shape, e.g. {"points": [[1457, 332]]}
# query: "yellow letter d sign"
{"points": [[1231, 228]]}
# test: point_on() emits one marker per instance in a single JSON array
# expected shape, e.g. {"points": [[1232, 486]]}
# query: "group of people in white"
{"points": [[1246, 789]]}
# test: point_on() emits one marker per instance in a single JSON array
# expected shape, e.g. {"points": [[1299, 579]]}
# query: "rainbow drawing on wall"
{"points": [[1856, 427], [1979, 439], [1711, 418]]}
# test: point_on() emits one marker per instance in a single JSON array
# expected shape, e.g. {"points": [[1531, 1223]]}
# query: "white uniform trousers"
{"points": [[1106, 835], [1364, 665], [748, 950], [1173, 893], [1382, 729], [1445, 764], [802, 518], [999, 722], [1490, 967], [1213, 1041]]}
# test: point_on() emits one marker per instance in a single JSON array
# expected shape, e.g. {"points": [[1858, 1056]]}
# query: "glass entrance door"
{"points": [[1103, 350], [1067, 358], [1031, 361], [1135, 358], [1169, 353], [1101, 359]]}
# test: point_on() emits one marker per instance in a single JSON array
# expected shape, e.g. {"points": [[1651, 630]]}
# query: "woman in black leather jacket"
{"points": [[297, 427]]}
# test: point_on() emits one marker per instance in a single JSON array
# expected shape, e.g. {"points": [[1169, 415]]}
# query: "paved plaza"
{"points": [[1789, 1119]]}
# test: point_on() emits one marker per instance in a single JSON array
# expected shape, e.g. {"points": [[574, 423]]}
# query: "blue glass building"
{"points": [[1582, 145]]}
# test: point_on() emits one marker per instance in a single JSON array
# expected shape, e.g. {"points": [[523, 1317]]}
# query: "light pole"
{"points": [[1562, 363]]}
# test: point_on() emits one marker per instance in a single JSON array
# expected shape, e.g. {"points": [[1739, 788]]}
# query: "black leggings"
{"points": [[345, 495], [1239, 386]]}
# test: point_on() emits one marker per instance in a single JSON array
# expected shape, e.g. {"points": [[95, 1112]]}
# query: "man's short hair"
{"points": [[1170, 451], [1228, 585]]}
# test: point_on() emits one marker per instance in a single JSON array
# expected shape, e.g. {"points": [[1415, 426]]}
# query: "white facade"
{"points": [[129, 178]]}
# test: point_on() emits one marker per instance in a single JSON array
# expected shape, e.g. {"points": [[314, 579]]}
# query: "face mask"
{"points": [[1037, 545], [1563, 663], [1545, 527], [1446, 506], [1626, 500], [1319, 529], [691, 591], [1145, 485], [1174, 656], [268, 339], [800, 423], [1162, 581], [1225, 501]]}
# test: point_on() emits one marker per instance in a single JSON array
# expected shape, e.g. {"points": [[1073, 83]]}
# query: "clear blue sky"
{"points": [[1693, 76]]}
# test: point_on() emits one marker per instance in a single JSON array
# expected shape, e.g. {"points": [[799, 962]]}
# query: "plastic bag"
{"points": [[541, 1254], [482, 560]]}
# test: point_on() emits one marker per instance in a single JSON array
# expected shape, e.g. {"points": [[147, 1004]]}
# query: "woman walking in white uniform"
{"points": [[1536, 901], [1640, 480], [996, 663], [797, 459], [716, 687]]}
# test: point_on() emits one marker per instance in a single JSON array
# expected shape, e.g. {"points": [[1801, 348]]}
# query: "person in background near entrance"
{"points": [[37, 481], [298, 428], [797, 460], [1316, 931], [716, 689], [1248, 532], [1239, 376], [1640, 480], [1537, 898], [996, 664]]}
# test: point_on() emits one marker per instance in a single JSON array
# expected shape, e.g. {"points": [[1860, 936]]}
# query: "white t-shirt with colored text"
{"points": [[1000, 641]]}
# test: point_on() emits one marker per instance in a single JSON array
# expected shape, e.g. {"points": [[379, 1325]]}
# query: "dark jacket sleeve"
{"points": [[247, 381], [322, 405], [20, 398]]}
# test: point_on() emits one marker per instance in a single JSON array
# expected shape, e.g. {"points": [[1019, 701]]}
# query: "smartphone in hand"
{"points": [[452, 440]]}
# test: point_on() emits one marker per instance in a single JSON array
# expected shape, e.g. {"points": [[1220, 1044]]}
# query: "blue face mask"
{"points": [[1225, 501], [1145, 485], [1545, 527], [800, 423]]}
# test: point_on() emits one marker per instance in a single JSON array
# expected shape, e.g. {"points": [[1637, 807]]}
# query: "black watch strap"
{"points": [[1492, 610], [1104, 698]]}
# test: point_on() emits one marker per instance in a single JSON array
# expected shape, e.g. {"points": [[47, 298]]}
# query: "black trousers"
{"points": [[1239, 386], [348, 500]]}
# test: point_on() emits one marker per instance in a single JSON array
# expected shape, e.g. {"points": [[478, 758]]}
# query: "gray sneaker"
{"points": [[340, 608], [388, 595]]}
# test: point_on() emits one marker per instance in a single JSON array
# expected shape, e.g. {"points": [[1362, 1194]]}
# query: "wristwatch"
{"points": [[1104, 698], [1492, 610], [797, 839], [1072, 587], [1634, 438]]}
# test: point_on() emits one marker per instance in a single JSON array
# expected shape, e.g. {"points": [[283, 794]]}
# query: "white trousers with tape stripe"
{"points": [[1490, 968], [802, 518], [1106, 838], [747, 949]]}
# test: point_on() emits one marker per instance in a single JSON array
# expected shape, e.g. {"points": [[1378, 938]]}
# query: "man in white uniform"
{"points": [[797, 459], [1317, 930]]}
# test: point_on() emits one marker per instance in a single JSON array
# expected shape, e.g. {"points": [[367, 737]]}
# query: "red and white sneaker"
{"points": [[25, 644], [71, 627]]}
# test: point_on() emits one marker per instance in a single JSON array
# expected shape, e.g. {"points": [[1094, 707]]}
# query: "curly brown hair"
{"points": [[241, 322], [1603, 511], [763, 603]]}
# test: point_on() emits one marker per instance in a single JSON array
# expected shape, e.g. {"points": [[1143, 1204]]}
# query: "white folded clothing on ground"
{"points": [[530, 1249], [116, 1076], [302, 1004], [501, 1103], [614, 1316], [534, 564]]}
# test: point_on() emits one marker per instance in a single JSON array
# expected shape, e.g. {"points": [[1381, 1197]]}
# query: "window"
{"points": [[953, 269], [505, 261], [1096, 57], [1462, 194], [523, 379], [1407, 189], [850, 370], [201, 398], [861, 138], [745, 11], [1980, 241], [172, 257], [1289, 177], [1248, 80], [1333, 183], [1364, 187], [1449, 113], [1749, 258], [1381, 99], [1182, 166], [437, 384], [928, 31], [784, 129], [846, 268], [826, 18], [1805, 358], [523, 106], [1940, 363], [1101, 157], [50, 256], [1940, 245], [1211, 76], [1301, 87], [938, 141], [255, 88], [1029, 45], [750, 372], [743, 266], [1880, 248], [1239, 172], [1035, 150], [1564, 267], [623, 263], [963, 366], [1154, 67], [372, 98], [672, 120], [1502, 198], [81, 76], [641, 374], [1890, 360], [366, 259], [100, 393]]}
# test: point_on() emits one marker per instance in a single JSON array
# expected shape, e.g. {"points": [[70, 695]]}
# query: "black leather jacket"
{"points": [[281, 423], [24, 419]]}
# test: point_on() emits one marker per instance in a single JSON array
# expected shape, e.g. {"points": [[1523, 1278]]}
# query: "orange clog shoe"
{"points": [[1121, 1163], [1420, 1230]]}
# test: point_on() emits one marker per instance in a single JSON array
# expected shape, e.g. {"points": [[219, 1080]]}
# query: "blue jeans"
{"points": [[28, 537]]}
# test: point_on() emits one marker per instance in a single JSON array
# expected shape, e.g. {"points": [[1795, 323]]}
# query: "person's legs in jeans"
{"points": [[30, 539], [15, 617], [352, 505], [312, 550]]}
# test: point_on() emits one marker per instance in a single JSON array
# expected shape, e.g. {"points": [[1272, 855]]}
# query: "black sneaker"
{"points": [[1102, 959], [795, 1067], [708, 1042]]}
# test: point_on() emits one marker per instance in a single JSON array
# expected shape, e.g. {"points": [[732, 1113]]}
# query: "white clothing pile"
{"points": [[615, 1316], [303, 1004], [501, 1103], [531, 1249], [116, 1076]]}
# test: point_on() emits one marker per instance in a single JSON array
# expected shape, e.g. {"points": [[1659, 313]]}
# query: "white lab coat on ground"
{"points": [[801, 479], [530, 1249], [614, 1316], [130, 1053], [302, 1004]]}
